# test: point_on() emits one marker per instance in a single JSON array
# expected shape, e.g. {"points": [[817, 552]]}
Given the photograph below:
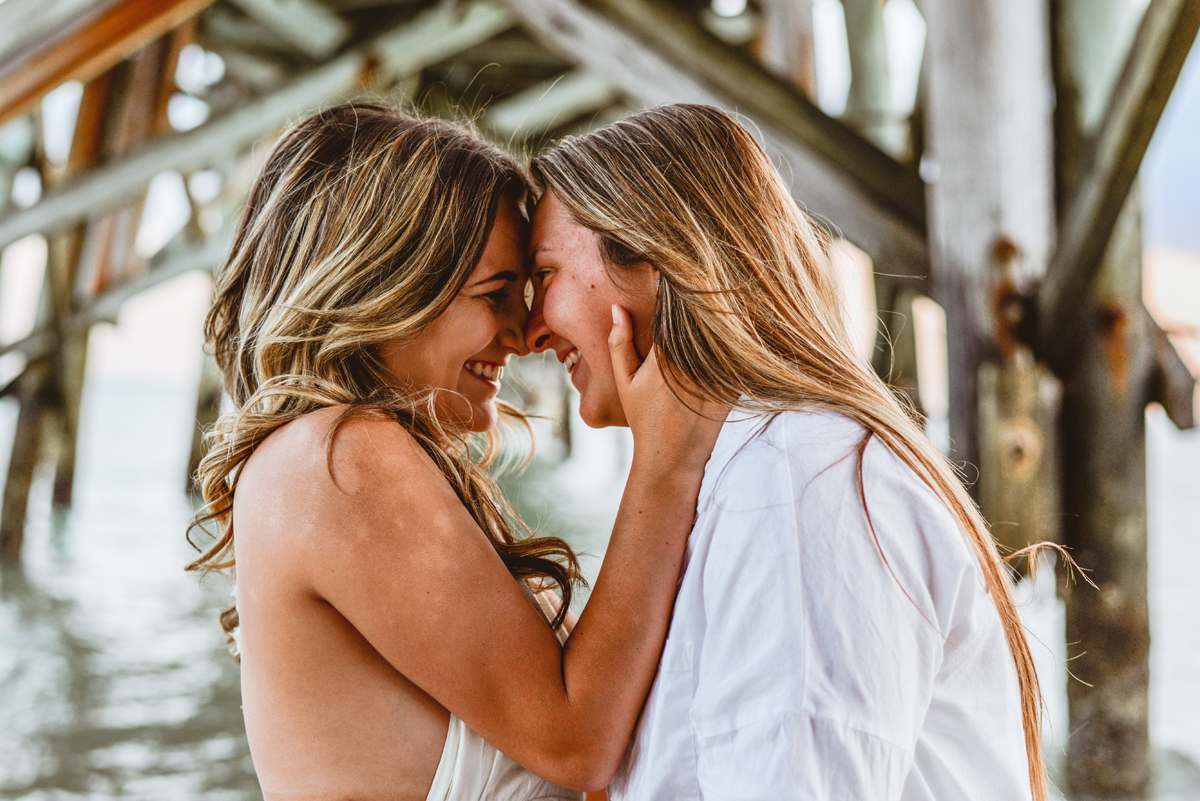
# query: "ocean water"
{"points": [[114, 680]]}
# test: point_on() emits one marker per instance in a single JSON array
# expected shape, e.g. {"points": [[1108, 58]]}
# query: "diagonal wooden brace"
{"points": [[1163, 40]]}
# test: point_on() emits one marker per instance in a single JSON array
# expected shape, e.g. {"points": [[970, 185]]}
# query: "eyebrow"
{"points": [[506, 275], [540, 248]]}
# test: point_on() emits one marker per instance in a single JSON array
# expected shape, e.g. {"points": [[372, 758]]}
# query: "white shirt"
{"points": [[800, 665]]}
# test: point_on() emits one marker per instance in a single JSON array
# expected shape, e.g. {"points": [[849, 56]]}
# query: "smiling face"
{"points": [[571, 312], [463, 352]]}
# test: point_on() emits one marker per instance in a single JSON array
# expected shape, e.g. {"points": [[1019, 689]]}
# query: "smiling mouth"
{"points": [[571, 360], [486, 370]]}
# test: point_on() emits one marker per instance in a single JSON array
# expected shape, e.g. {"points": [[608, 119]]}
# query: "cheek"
{"points": [[557, 311], [578, 314], [472, 332]]}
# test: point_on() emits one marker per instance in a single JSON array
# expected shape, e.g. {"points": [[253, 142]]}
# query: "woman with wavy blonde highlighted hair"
{"points": [[844, 628], [396, 623]]}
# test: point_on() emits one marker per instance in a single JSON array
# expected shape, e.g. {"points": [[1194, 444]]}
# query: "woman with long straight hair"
{"points": [[844, 628], [389, 647]]}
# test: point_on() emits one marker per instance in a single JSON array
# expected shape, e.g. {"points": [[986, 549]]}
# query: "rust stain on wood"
{"points": [[1114, 332]]}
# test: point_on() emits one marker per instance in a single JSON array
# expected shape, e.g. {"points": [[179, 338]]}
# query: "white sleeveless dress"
{"points": [[472, 770]]}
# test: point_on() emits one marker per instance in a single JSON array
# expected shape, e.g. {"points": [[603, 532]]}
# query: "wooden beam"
{"points": [[1171, 382], [436, 35], [550, 105], [429, 38], [86, 48], [137, 114], [1163, 40], [25, 23], [771, 99], [893, 239], [307, 25]]}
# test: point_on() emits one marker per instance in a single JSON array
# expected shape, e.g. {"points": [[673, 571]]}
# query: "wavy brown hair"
{"points": [[748, 313], [362, 227]]}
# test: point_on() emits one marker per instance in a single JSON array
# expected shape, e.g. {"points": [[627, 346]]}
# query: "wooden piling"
{"points": [[1104, 525], [118, 110], [991, 180], [208, 409], [69, 364], [35, 394], [26, 454], [1018, 419], [1104, 359]]}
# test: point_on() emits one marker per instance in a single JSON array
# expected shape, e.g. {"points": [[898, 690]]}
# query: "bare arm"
{"points": [[392, 548]]}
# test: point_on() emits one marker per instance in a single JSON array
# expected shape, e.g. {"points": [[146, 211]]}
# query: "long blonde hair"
{"points": [[362, 227], [748, 313]]}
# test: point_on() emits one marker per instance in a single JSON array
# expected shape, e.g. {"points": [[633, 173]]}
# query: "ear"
{"points": [[645, 282], [642, 280]]}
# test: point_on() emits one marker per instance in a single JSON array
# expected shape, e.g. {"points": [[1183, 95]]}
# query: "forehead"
{"points": [[505, 248], [555, 229]]}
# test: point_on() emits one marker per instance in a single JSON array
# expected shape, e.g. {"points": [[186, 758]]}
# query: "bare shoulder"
{"points": [[323, 473], [323, 451]]}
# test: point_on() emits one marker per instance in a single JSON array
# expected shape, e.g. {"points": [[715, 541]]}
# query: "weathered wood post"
{"points": [[1019, 403], [208, 409], [1103, 431], [28, 441], [33, 391], [989, 136], [1104, 439]]}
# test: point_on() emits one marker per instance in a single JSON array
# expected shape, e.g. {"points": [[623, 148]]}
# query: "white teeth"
{"points": [[492, 372], [571, 360]]}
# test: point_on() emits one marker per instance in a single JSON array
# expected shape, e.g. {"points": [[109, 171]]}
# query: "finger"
{"points": [[625, 359]]}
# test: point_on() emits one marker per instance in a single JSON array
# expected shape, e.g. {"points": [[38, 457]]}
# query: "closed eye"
{"points": [[498, 295]]}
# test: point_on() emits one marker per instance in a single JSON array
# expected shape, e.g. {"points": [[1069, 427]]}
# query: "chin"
{"points": [[477, 417], [482, 419], [602, 415]]}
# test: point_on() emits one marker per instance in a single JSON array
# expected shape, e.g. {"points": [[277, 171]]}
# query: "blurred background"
{"points": [[1015, 186]]}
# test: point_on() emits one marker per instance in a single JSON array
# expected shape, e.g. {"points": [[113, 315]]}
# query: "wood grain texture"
{"points": [[988, 129], [86, 47]]}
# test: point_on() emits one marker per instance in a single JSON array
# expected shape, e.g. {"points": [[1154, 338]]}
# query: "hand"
{"points": [[670, 431]]}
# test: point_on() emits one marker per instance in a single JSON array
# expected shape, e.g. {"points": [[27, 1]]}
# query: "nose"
{"points": [[512, 335], [537, 333]]}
